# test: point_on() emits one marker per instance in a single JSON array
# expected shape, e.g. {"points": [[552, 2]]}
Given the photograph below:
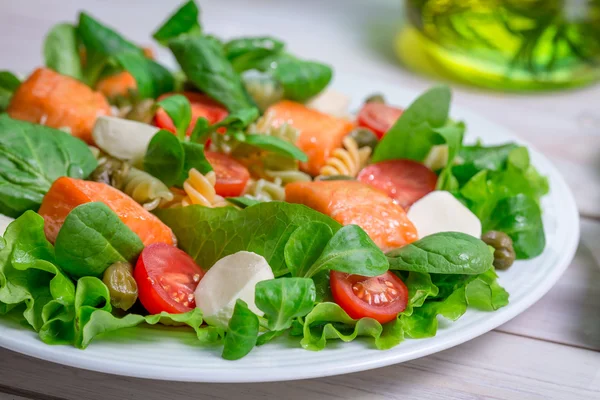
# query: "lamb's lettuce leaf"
{"points": [[61, 50], [184, 21]]}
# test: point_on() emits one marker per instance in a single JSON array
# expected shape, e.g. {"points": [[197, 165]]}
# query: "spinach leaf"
{"points": [[202, 60], [242, 332], [61, 50], [413, 135], [305, 246], [152, 79], [8, 84], [164, 158], [352, 251], [209, 234], [32, 157], [284, 299], [276, 145], [93, 238], [474, 159], [301, 79], [178, 108], [184, 21], [443, 253], [101, 40], [194, 157], [520, 217], [242, 201], [453, 134], [247, 52]]}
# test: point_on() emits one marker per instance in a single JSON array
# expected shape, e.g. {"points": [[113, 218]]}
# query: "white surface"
{"points": [[175, 360]]}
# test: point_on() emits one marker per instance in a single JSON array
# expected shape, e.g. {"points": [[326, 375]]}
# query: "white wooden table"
{"points": [[551, 351]]}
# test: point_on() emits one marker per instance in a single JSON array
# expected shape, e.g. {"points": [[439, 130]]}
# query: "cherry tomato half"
{"points": [[378, 117], [202, 106], [166, 277], [380, 297], [405, 181], [232, 176]]}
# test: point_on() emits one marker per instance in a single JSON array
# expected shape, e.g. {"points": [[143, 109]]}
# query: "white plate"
{"points": [[172, 354]]}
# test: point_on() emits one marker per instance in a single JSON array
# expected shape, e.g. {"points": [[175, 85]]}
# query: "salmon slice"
{"points": [[58, 101], [320, 133], [67, 193], [119, 84], [352, 202]]}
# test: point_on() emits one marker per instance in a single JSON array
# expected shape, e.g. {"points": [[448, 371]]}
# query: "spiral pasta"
{"points": [[288, 176], [266, 126], [265, 190], [144, 188], [200, 189], [348, 160], [264, 90]]}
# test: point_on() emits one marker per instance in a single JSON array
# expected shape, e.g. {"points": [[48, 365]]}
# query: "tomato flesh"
{"points": [[166, 277], [232, 176], [202, 107], [405, 181], [378, 117], [380, 297]]}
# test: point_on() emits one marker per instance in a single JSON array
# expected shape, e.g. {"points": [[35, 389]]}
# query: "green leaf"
{"points": [[520, 217], [242, 201], [247, 52], [276, 145], [209, 234], [300, 79], [352, 251], [184, 21], [165, 158], [99, 39], [485, 293], [202, 60], [474, 159], [93, 238], [178, 108], [61, 50], [194, 157], [152, 79], [32, 157], [413, 134], [443, 253], [8, 84], [242, 332], [305, 246], [284, 299]]}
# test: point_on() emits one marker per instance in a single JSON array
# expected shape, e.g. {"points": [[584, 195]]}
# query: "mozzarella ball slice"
{"points": [[231, 278], [331, 102], [439, 211], [122, 138]]}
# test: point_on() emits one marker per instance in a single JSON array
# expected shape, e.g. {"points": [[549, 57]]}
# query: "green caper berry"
{"points": [[375, 98], [504, 253], [364, 137], [111, 171], [121, 285]]}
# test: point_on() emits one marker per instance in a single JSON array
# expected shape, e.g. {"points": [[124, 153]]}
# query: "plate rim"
{"points": [[388, 357]]}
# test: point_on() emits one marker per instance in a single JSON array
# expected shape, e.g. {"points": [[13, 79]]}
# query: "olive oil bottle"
{"points": [[505, 44]]}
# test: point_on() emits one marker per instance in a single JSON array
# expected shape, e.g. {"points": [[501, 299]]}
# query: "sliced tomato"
{"points": [[378, 117], [232, 176], [405, 181], [380, 297], [202, 106], [166, 277]]}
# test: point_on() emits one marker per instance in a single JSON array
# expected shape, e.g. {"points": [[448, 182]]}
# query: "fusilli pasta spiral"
{"points": [[266, 126], [265, 190], [144, 188], [348, 160], [200, 189], [288, 176]]}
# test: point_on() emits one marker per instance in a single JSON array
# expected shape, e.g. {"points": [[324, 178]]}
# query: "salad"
{"points": [[240, 197]]}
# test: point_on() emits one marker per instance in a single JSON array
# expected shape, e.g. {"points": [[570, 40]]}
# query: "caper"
{"points": [[121, 285], [364, 137], [504, 253], [375, 98], [111, 171], [142, 111], [336, 178]]}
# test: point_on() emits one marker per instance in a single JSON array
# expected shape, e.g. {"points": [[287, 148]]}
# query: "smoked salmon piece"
{"points": [[320, 133], [119, 84], [352, 202], [58, 101], [67, 193]]}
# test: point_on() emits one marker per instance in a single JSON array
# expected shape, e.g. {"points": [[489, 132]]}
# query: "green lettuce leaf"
{"points": [[8, 84], [183, 21]]}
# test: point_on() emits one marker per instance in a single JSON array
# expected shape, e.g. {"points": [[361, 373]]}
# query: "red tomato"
{"points": [[232, 176], [380, 297], [202, 106], [405, 181], [378, 117], [166, 277]]}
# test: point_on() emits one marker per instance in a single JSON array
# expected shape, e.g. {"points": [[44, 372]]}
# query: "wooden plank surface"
{"points": [[474, 370]]}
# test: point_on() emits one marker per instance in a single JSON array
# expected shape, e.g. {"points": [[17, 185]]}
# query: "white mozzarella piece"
{"points": [[122, 138], [331, 102]]}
